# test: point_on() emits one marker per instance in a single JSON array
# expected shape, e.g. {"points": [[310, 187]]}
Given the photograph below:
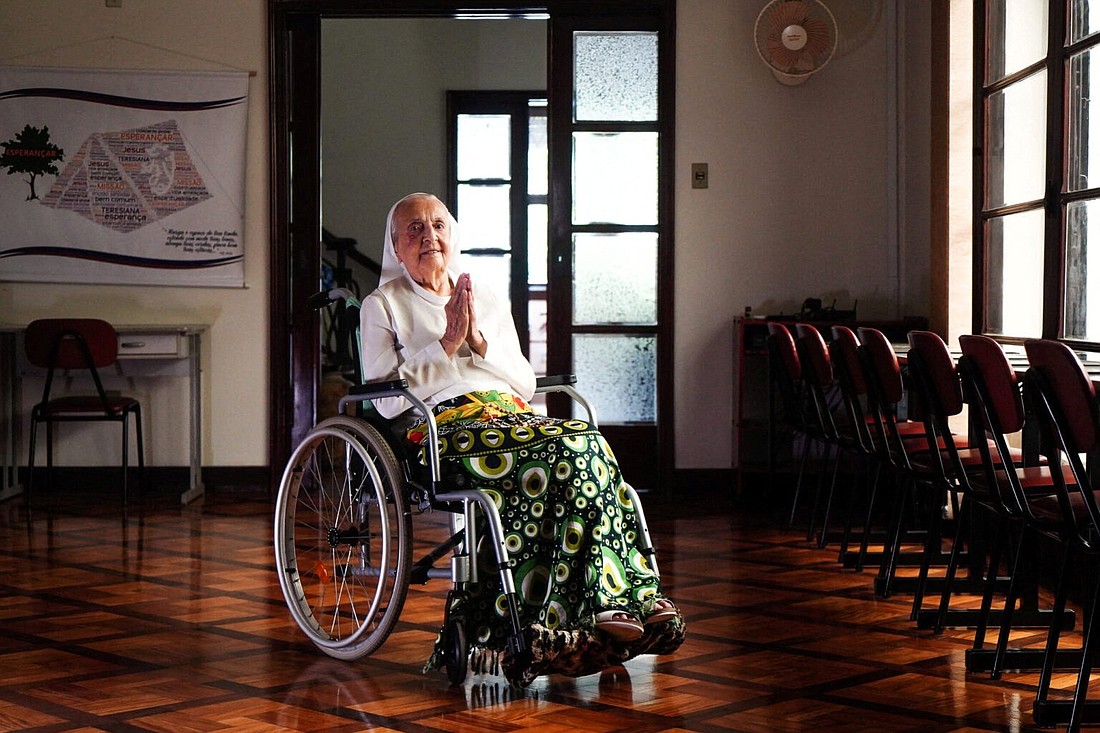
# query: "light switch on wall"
{"points": [[699, 175]]}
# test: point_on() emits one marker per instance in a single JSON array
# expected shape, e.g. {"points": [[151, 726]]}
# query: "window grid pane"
{"points": [[484, 147], [485, 217], [1017, 31], [615, 178], [615, 278], [1016, 143], [1082, 169], [1082, 259], [619, 374], [538, 169], [1082, 21], [1014, 274]]}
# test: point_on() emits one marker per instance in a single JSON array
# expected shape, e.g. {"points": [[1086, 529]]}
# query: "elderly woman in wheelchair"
{"points": [[563, 578]]}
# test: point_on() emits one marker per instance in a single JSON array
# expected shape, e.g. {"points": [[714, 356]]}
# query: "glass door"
{"points": [[610, 244]]}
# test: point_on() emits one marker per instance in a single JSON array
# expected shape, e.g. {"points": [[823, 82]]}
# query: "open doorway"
{"points": [[585, 36]]}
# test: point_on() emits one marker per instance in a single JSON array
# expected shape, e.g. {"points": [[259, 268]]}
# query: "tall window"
{"points": [[499, 181], [1036, 186]]}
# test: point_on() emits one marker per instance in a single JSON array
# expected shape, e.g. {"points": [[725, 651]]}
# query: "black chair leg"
{"points": [[1080, 692], [1011, 596], [868, 520], [892, 548], [49, 459], [995, 550], [961, 519], [823, 538], [141, 454], [858, 483], [932, 547], [125, 460], [30, 464], [806, 441], [1046, 673]]}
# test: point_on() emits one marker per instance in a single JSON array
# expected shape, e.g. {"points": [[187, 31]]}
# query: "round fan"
{"points": [[795, 38]]}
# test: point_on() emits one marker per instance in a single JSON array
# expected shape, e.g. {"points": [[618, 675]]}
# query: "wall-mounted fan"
{"points": [[795, 38]]}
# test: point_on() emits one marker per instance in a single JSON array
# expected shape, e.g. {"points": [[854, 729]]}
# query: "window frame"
{"points": [[1055, 198]]}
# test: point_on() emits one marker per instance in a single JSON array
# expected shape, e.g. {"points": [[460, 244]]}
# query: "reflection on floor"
{"points": [[172, 619]]}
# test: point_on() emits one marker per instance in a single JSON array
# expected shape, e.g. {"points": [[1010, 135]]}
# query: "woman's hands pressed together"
{"points": [[462, 320]]}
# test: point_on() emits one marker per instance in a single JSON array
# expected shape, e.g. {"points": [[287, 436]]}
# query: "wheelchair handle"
{"points": [[564, 383], [325, 298]]}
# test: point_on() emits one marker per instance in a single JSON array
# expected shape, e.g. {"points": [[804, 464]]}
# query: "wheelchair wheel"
{"points": [[343, 537], [456, 652]]}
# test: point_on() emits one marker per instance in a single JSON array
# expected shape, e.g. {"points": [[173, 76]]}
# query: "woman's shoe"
{"points": [[619, 625], [663, 610]]}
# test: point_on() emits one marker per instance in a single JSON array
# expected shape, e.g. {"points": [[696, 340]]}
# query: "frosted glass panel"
{"points": [[618, 374], [615, 76], [483, 217], [615, 178], [484, 147], [615, 278]]}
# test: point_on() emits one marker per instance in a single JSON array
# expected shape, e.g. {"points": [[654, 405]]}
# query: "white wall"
{"points": [[163, 34], [804, 196]]}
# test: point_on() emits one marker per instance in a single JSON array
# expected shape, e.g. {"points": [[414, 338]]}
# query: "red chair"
{"points": [[818, 384], [860, 434], [785, 384], [78, 345], [901, 440], [1062, 396], [997, 413], [945, 470]]}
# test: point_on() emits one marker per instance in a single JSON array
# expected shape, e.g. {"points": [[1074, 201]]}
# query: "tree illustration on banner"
{"points": [[32, 153]]}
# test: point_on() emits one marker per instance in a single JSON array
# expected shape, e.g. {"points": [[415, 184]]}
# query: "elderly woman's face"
{"points": [[423, 240]]}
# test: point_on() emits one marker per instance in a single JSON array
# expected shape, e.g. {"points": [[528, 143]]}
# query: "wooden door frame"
{"points": [[294, 78]]}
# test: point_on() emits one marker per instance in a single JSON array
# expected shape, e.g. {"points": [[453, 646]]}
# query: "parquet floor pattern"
{"points": [[171, 619]]}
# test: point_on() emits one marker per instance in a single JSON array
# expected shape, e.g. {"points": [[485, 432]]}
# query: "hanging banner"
{"points": [[122, 177]]}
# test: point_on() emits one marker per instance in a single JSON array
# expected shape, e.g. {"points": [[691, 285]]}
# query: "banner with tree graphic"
{"points": [[133, 177]]}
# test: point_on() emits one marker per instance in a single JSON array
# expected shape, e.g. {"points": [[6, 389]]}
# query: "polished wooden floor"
{"points": [[171, 619]]}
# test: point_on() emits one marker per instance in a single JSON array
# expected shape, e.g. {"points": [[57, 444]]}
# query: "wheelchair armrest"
{"points": [[378, 389], [400, 388], [564, 383], [543, 384]]}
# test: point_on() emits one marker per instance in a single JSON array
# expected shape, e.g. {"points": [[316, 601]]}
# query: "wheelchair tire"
{"points": [[456, 652], [343, 537]]}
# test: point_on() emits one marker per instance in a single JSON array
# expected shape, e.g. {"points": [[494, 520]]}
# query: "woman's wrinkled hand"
{"points": [[462, 320]]}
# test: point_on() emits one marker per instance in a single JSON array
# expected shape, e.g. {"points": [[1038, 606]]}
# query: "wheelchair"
{"points": [[344, 523]]}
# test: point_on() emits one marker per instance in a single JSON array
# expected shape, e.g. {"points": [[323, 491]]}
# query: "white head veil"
{"points": [[392, 268]]}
